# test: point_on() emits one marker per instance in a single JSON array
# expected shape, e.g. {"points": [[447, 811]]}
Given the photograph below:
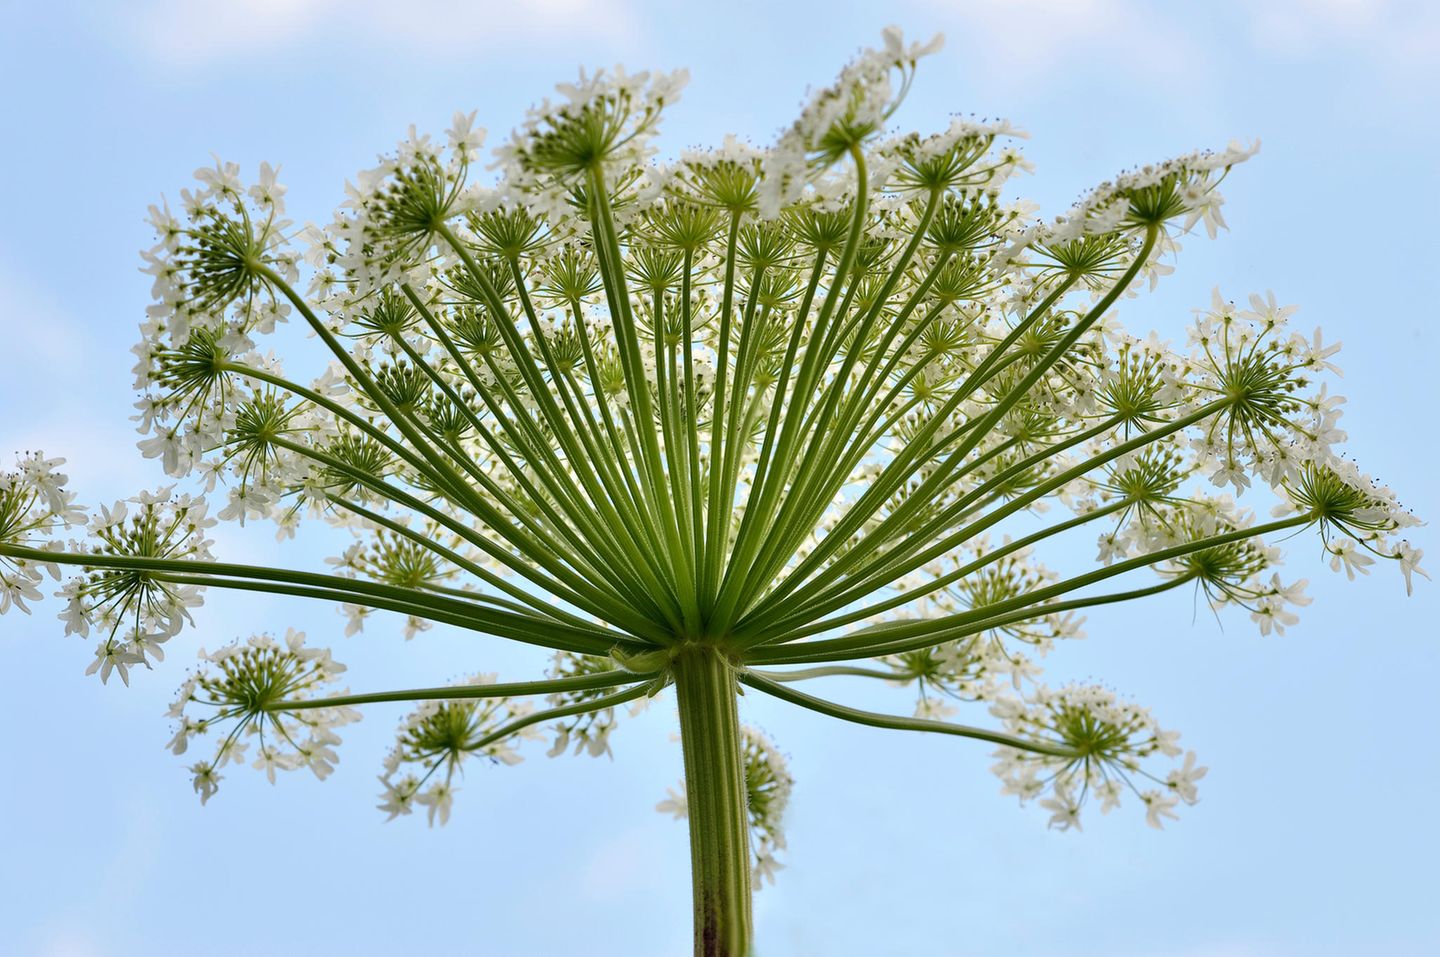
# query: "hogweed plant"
{"points": [[732, 423]]}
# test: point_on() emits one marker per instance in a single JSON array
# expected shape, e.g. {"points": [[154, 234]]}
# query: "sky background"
{"points": [[1316, 833]]}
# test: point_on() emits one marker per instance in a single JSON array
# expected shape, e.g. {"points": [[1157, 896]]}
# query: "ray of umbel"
{"points": [[747, 418]]}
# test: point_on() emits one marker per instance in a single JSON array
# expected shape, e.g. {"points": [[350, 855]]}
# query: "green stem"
{"points": [[896, 722], [586, 706], [1023, 603], [936, 584], [715, 790], [607, 679], [831, 671], [958, 631]]}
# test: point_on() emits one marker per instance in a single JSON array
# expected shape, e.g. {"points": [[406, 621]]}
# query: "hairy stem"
{"points": [[715, 788]]}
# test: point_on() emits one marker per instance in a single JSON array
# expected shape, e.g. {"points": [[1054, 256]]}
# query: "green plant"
{"points": [[748, 418]]}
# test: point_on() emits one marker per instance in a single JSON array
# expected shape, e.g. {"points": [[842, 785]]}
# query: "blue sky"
{"points": [[1315, 834]]}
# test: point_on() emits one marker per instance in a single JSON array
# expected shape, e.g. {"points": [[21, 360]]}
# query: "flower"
{"points": [[437, 799], [839, 117], [114, 656], [1409, 558], [439, 736], [159, 526], [1182, 780], [1101, 745], [206, 780], [263, 688], [588, 731], [1158, 805], [675, 803], [1064, 809], [224, 257]]}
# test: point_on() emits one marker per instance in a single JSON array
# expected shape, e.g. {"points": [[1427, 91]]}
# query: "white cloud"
{"points": [[200, 32], [1030, 42], [69, 943], [1397, 36], [1026, 42]]}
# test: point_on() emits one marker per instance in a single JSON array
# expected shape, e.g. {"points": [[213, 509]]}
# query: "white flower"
{"points": [[1158, 806], [675, 803], [1231, 474], [206, 781], [112, 655], [1344, 553], [899, 53], [935, 708], [317, 754], [1409, 558], [437, 800], [1064, 810], [399, 796], [765, 867], [464, 136], [270, 759], [355, 616], [1182, 780], [1109, 791]]}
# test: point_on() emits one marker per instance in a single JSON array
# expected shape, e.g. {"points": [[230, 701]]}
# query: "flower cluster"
{"points": [[140, 596], [1183, 187], [218, 264], [34, 506], [970, 668], [1360, 519], [605, 125], [1269, 428], [841, 117], [589, 731], [1100, 745], [955, 671], [439, 736], [767, 794], [959, 158], [404, 559], [266, 690], [394, 211]]}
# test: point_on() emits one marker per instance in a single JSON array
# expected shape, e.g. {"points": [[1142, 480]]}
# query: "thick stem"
{"points": [[715, 790]]}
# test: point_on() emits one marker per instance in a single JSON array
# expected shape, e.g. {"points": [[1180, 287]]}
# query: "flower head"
{"points": [[135, 606], [841, 117], [1103, 746], [216, 266], [266, 690], [34, 506], [439, 736]]}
